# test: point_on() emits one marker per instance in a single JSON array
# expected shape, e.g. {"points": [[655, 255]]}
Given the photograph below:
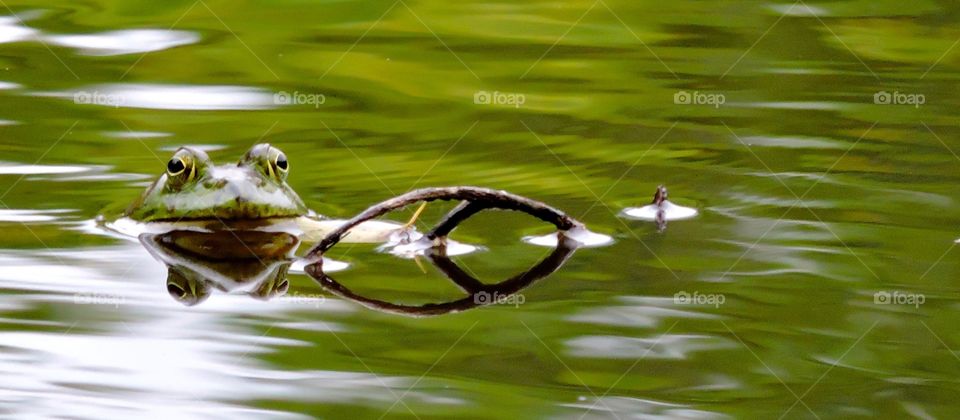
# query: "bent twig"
{"points": [[475, 199]]}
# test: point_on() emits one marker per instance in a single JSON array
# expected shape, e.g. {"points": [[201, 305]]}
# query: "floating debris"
{"points": [[581, 235], [660, 210], [408, 243]]}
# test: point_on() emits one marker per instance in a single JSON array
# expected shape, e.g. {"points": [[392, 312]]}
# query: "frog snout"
{"points": [[244, 192], [238, 193]]}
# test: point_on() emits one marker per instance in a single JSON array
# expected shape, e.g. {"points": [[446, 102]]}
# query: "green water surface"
{"points": [[817, 140]]}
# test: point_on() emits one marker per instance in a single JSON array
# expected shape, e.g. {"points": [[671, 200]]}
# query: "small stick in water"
{"points": [[416, 214], [660, 196]]}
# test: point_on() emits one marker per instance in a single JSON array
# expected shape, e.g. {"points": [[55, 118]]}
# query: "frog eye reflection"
{"points": [[176, 291], [281, 162], [176, 166]]}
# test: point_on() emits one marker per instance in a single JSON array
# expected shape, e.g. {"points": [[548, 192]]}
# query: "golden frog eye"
{"points": [[281, 162], [176, 166], [184, 167]]}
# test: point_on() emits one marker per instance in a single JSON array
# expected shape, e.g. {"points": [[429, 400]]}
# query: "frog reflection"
{"points": [[252, 262]]}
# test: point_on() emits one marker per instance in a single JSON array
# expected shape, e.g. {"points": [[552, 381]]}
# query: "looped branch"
{"points": [[475, 199], [479, 294]]}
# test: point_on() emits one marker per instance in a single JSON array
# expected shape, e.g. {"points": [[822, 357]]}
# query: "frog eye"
{"points": [[176, 166], [281, 162], [179, 166], [268, 160], [277, 164], [185, 166]]}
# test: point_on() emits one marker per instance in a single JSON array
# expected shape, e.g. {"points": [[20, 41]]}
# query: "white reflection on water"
{"points": [[638, 311], [136, 134], [802, 106], [672, 346], [605, 407], [125, 42], [794, 142], [70, 173], [12, 30], [798, 10], [8, 168], [132, 41], [26, 215], [137, 350], [173, 97]]}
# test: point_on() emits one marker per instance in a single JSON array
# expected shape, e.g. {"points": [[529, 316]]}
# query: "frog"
{"points": [[193, 188], [195, 194]]}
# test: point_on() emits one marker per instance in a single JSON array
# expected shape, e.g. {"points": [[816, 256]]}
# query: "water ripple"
{"points": [[172, 97], [125, 41]]}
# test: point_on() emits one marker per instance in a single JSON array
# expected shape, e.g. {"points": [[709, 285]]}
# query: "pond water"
{"points": [[817, 140]]}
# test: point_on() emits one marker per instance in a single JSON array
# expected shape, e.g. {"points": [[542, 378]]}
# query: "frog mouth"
{"points": [[229, 217], [232, 206], [238, 212]]}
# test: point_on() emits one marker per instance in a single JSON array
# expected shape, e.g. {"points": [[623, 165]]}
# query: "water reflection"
{"points": [[125, 42], [478, 293], [35, 216], [14, 29], [254, 262], [170, 97]]}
